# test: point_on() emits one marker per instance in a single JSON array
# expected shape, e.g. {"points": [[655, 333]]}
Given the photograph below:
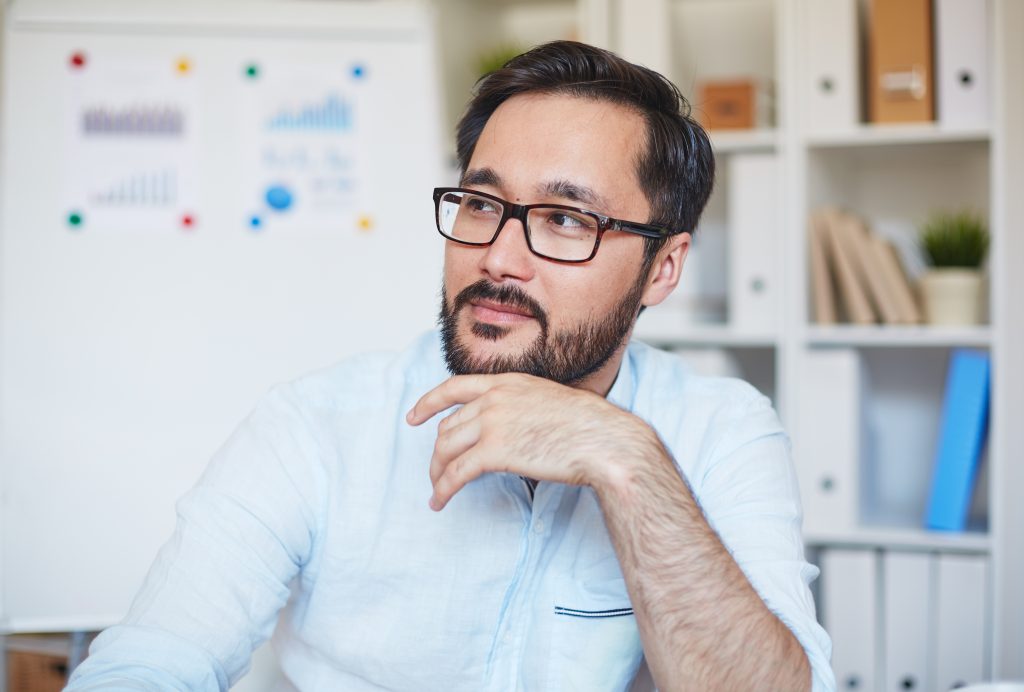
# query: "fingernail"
{"points": [[408, 416], [434, 504]]}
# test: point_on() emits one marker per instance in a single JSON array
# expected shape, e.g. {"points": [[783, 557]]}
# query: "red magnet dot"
{"points": [[78, 60], [187, 221]]}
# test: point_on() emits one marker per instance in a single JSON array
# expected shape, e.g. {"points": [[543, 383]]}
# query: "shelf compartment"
{"points": [[870, 461], [724, 41], [468, 30], [894, 190]]}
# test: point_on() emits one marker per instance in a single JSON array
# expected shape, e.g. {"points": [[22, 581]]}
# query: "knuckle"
{"points": [[458, 468]]}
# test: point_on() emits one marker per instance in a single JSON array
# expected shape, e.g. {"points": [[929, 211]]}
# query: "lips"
{"points": [[496, 306], [499, 304]]}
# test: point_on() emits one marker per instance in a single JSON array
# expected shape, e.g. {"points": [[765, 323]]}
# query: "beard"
{"points": [[567, 356]]}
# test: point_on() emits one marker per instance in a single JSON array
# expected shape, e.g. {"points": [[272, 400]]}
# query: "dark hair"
{"points": [[677, 167]]}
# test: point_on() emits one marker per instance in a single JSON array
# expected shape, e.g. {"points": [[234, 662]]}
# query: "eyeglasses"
{"points": [[553, 231]]}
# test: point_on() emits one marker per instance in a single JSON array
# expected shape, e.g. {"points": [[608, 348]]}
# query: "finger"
{"points": [[457, 474], [452, 443], [460, 389], [460, 415]]}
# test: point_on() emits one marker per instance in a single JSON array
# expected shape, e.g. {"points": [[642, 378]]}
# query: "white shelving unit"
{"points": [[892, 336], [904, 539], [740, 141], [916, 133], [893, 175]]}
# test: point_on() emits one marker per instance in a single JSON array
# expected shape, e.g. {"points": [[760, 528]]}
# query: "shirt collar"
{"points": [[621, 393]]}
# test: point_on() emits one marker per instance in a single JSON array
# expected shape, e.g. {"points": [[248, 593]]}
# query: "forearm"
{"points": [[702, 624]]}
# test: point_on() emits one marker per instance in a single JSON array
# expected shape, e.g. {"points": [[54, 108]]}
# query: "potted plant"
{"points": [[496, 57], [954, 245]]}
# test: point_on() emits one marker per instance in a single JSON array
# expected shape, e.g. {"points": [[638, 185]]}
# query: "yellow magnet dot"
{"points": [[365, 223], [184, 66]]}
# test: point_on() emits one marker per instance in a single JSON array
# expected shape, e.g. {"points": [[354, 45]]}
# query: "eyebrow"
{"points": [[481, 176], [564, 189], [571, 191]]}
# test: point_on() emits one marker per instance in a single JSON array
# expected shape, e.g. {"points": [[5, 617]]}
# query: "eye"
{"points": [[481, 205], [569, 223], [565, 220]]}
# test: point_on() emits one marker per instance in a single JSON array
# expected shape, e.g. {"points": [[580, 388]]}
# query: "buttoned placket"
{"points": [[506, 654]]}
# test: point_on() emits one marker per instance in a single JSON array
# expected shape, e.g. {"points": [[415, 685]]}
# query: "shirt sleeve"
{"points": [[213, 593], [749, 493]]}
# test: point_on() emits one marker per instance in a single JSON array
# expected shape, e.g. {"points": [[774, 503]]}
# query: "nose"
{"points": [[509, 257]]}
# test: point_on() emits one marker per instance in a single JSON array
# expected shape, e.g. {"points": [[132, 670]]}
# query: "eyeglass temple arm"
{"points": [[646, 230]]}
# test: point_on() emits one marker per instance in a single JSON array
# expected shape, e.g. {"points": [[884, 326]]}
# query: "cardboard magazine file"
{"points": [[901, 72]]}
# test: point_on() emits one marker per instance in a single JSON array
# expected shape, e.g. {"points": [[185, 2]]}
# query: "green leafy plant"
{"points": [[954, 239], [496, 58]]}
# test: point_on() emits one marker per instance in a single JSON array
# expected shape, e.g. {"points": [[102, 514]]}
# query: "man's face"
{"points": [[505, 309]]}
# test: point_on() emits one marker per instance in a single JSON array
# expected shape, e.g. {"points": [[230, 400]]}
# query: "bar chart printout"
{"points": [[132, 137], [306, 173]]}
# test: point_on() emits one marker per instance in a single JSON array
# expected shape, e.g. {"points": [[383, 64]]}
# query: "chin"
{"points": [[485, 340]]}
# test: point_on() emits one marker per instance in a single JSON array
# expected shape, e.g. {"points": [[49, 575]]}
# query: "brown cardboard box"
{"points": [[901, 67], [732, 105], [31, 671]]}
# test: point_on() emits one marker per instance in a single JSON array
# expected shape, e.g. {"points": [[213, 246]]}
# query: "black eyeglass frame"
{"points": [[520, 211]]}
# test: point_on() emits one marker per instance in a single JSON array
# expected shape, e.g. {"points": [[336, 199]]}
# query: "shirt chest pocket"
{"points": [[595, 643]]}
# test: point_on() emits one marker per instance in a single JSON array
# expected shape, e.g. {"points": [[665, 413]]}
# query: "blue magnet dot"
{"points": [[358, 71], [255, 222], [279, 197]]}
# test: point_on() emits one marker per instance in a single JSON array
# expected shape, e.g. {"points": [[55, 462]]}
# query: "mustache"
{"points": [[510, 295]]}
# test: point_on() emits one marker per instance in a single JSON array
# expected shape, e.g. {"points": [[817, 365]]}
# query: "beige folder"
{"points": [[823, 299], [899, 286], [860, 240], [852, 294]]}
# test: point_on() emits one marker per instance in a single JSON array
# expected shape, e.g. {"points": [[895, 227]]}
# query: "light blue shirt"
{"points": [[314, 516]]}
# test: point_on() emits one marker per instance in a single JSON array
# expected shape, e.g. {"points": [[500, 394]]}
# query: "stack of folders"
{"points": [[927, 60], [856, 275], [961, 440]]}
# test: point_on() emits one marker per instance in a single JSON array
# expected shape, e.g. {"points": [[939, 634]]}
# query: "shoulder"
{"points": [[665, 378], [699, 417]]}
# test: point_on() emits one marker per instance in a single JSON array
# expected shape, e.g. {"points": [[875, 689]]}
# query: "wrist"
{"points": [[631, 451]]}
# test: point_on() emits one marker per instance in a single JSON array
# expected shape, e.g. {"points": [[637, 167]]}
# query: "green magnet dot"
{"points": [[75, 219], [252, 71]]}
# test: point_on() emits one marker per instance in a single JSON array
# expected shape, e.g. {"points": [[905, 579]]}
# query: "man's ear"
{"points": [[667, 268]]}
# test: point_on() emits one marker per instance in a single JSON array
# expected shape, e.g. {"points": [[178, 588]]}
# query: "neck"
{"points": [[601, 382]]}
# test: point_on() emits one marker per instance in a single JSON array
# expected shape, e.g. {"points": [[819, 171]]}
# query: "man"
{"points": [[590, 502]]}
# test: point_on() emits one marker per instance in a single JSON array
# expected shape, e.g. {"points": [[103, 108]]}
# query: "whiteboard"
{"points": [[198, 202]]}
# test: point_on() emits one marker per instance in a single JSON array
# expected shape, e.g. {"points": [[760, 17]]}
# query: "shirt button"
{"points": [[538, 526]]}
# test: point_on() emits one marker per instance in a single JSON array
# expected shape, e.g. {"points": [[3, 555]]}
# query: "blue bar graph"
{"points": [[333, 113]]}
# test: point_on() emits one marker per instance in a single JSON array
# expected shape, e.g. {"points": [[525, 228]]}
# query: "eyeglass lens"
{"points": [[555, 233]]}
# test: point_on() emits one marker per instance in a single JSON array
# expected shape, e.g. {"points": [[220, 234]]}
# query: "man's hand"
{"points": [[525, 425]]}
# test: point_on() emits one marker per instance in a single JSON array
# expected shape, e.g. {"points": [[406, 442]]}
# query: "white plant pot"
{"points": [[953, 296]]}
